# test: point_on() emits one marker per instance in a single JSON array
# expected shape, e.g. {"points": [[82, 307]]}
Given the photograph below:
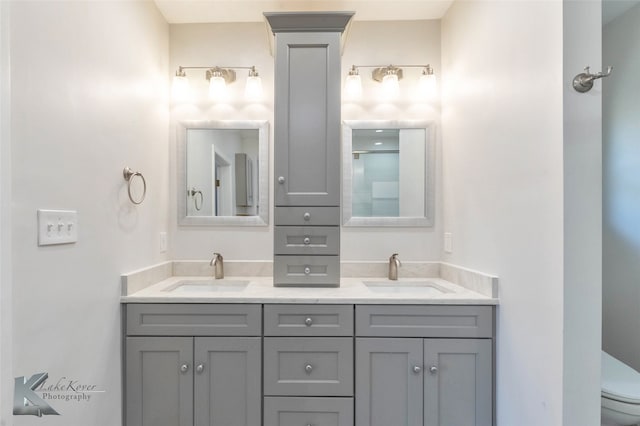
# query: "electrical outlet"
{"points": [[57, 227], [163, 242], [448, 242]]}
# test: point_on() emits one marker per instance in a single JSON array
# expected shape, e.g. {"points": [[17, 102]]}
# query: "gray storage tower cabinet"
{"points": [[307, 147]]}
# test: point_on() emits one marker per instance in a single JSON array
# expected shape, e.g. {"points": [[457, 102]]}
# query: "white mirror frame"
{"points": [[347, 174], [263, 178]]}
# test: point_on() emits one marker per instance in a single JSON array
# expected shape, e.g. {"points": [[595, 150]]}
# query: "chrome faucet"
{"points": [[394, 264], [218, 262]]}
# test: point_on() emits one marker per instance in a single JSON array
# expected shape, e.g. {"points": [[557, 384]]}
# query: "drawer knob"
{"points": [[308, 368], [433, 369], [281, 179], [307, 270], [307, 216], [306, 241], [199, 368], [417, 369], [184, 368], [308, 321]]}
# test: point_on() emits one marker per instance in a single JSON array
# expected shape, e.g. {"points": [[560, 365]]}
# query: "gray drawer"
{"points": [[308, 411], [307, 216], [307, 240], [313, 366], [170, 319], [301, 271], [424, 321], [308, 320]]}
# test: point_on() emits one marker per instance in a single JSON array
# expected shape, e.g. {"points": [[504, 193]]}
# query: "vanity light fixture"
{"points": [[389, 76], [219, 78]]}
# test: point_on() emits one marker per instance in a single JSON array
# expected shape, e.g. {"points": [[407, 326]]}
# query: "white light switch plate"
{"points": [[57, 227]]}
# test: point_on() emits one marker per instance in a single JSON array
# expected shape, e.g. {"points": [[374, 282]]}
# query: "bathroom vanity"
{"points": [[370, 353]]}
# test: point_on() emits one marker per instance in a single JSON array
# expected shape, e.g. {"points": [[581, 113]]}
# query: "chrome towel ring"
{"points": [[128, 176], [193, 192]]}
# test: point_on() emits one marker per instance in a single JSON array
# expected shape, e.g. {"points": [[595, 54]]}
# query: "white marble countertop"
{"points": [[352, 290]]}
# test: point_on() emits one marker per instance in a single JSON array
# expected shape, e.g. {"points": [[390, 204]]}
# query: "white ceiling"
{"points": [[201, 11]]}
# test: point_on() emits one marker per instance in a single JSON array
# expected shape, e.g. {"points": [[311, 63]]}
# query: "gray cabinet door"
{"points": [[458, 382], [307, 117], [159, 384], [227, 374], [388, 385]]}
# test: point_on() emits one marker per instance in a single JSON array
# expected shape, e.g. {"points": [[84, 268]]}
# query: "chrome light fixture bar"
{"points": [[389, 76], [219, 78]]}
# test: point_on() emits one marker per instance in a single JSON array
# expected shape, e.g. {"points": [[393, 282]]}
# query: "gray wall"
{"points": [[621, 198]]}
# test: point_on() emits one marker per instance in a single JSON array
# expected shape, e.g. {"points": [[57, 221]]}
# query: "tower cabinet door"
{"points": [[389, 382], [458, 382], [159, 385], [307, 117], [228, 373]]}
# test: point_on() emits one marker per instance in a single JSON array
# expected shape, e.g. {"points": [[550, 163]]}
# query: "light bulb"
{"points": [[253, 88], [353, 85], [217, 87], [180, 89], [390, 86], [427, 85]]}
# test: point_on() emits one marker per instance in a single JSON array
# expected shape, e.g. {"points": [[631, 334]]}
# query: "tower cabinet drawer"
{"points": [[308, 411], [315, 366], [307, 216], [303, 271], [169, 319], [424, 321], [308, 320], [307, 240]]}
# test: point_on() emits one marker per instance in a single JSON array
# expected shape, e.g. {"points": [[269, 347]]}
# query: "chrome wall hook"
{"points": [[583, 82]]}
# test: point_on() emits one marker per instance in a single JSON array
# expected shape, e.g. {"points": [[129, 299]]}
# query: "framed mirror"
{"points": [[388, 172], [223, 173]]}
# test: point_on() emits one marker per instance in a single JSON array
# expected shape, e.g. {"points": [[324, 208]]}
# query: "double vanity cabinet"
{"points": [[253, 364]]}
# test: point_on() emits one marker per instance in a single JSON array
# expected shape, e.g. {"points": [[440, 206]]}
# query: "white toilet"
{"points": [[620, 396]]}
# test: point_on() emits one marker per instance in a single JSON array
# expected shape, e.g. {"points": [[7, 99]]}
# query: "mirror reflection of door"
{"points": [[223, 186], [219, 172]]}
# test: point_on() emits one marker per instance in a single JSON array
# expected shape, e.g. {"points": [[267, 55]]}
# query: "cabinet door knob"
{"points": [[307, 270], [308, 368], [306, 216], [306, 241], [433, 369], [308, 321], [184, 368], [199, 368], [417, 369], [281, 179]]}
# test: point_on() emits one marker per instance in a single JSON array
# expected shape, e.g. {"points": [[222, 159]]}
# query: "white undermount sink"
{"points": [[218, 286], [422, 288]]}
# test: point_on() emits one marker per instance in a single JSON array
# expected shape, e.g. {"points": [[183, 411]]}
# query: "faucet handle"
{"points": [[394, 258]]}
